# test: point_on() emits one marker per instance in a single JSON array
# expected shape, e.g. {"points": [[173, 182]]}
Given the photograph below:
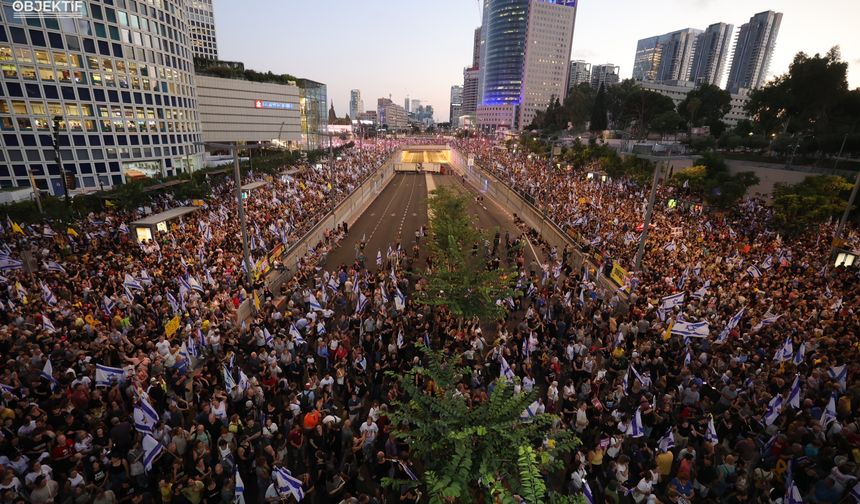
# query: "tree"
{"points": [[598, 111], [642, 106], [469, 451], [667, 122], [706, 106], [461, 279], [797, 207], [710, 178]]}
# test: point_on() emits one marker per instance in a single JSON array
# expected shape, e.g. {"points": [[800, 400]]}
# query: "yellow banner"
{"points": [[198, 203], [171, 327], [256, 301], [618, 274]]}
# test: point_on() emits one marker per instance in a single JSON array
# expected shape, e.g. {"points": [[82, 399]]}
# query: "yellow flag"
{"points": [[256, 301], [72, 232], [171, 327], [110, 204], [668, 333], [16, 228]]}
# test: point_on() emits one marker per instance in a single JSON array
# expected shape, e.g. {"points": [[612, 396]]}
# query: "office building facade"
{"points": [[356, 104], [580, 72], [753, 50], [667, 57], [313, 98], [121, 82], [604, 75], [525, 57], [476, 48], [470, 90], [201, 24], [391, 115], [678, 92], [456, 108], [712, 49]]}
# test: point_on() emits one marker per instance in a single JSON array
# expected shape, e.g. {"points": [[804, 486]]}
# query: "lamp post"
{"points": [[56, 138]]}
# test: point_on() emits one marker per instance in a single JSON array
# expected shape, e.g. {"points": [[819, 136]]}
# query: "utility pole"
{"points": [[56, 136], [242, 224], [36, 196], [641, 250], [851, 198]]}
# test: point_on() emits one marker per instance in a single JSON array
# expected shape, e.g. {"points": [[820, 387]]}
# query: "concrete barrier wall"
{"points": [[494, 188], [349, 210]]}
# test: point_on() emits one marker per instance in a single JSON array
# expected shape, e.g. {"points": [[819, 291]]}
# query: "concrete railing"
{"points": [[348, 210], [515, 203]]}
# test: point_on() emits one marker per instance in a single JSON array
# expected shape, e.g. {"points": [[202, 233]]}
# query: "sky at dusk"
{"points": [[419, 48]]}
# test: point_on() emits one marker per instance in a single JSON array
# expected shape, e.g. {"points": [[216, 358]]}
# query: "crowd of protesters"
{"points": [[101, 403]]}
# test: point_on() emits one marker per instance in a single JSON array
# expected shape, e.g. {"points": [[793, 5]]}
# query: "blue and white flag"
{"points": [[332, 284], [667, 442], [174, 305], [754, 272], [531, 411], [244, 382], [691, 329], [107, 376], [47, 325], [144, 278], [774, 407], [829, 414], [586, 493], [794, 393], [54, 266], [766, 321], [625, 382], [669, 303], [229, 381], [123, 228], [792, 496], [8, 389], [506, 371], [267, 336], [683, 279], [400, 341], [839, 374], [768, 263], [711, 432], [733, 322], [315, 305], [687, 357], [800, 354], [47, 296], [239, 490], [9, 264], [320, 328], [362, 302], [145, 417], [855, 492], [48, 374], [670, 247], [644, 381], [702, 291], [193, 284], [131, 283], [785, 352], [151, 449], [287, 484], [399, 300], [407, 470], [379, 258], [635, 429], [294, 332]]}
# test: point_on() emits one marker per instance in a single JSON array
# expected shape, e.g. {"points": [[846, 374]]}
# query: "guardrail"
{"points": [[519, 204], [348, 210]]}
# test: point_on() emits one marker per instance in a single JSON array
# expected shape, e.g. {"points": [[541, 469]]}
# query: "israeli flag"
{"points": [[531, 411], [229, 381], [400, 341], [855, 492], [239, 490], [145, 416], [151, 449], [506, 370], [829, 414], [687, 358], [801, 352], [48, 374], [47, 296], [286, 484], [670, 247], [8, 389], [774, 407], [132, 283], [362, 302], [144, 278], [586, 493], [785, 352], [407, 470], [839, 374], [9, 264], [54, 267], [711, 432], [270, 341], [382, 292], [531, 290], [294, 332], [766, 321], [733, 322], [123, 228], [332, 284], [794, 393], [668, 303], [399, 300], [315, 305], [635, 429], [644, 381], [567, 299], [107, 376], [379, 258], [691, 329], [792, 496], [683, 279], [320, 328], [174, 305], [754, 272], [193, 284], [47, 325], [625, 382], [768, 263], [244, 382], [667, 442], [703, 291]]}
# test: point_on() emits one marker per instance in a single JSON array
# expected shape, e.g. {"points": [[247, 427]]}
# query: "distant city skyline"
{"points": [[422, 51]]}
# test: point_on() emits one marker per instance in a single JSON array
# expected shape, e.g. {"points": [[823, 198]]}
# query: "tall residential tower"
{"points": [[753, 50], [201, 28], [712, 50]]}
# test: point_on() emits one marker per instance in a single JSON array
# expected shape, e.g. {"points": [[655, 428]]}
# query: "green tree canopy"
{"points": [[598, 111], [814, 200], [705, 106]]}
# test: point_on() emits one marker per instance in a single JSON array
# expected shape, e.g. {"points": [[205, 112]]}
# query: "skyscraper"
{"points": [[525, 59], [580, 72], [470, 91], [356, 104], [667, 57], [201, 27], [456, 108], [753, 50], [605, 75], [413, 106], [712, 50], [476, 48]]}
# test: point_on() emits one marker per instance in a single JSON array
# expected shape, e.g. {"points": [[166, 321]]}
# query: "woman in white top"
{"points": [[219, 409]]}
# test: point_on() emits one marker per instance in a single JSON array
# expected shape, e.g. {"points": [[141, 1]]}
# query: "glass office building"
{"points": [[120, 80], [312, 102], [502, 59]]}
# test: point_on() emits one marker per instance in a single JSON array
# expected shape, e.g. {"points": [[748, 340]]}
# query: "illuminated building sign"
{"points": [[262, 104]]}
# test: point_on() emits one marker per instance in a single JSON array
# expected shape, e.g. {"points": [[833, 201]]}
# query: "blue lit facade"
{"points": [[502, 61]]}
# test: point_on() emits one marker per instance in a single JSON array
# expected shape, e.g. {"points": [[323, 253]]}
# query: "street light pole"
{"points": [[242, 224], [56, 136], [641, 250], [851, 198]]}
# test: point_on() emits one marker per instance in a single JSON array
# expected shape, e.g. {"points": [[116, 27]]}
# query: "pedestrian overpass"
{"points": [[427, 158]]}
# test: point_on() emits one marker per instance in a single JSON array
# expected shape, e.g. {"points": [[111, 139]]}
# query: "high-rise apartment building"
{"points": [[580, 72], [356, 104], [525, 58], [470, 90], [201, 27], [121, 83], [476, 48], [712, 48], [667, 57], [391, 115], [753, 50], [456, 108], [604, 75], [413, 106]]}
